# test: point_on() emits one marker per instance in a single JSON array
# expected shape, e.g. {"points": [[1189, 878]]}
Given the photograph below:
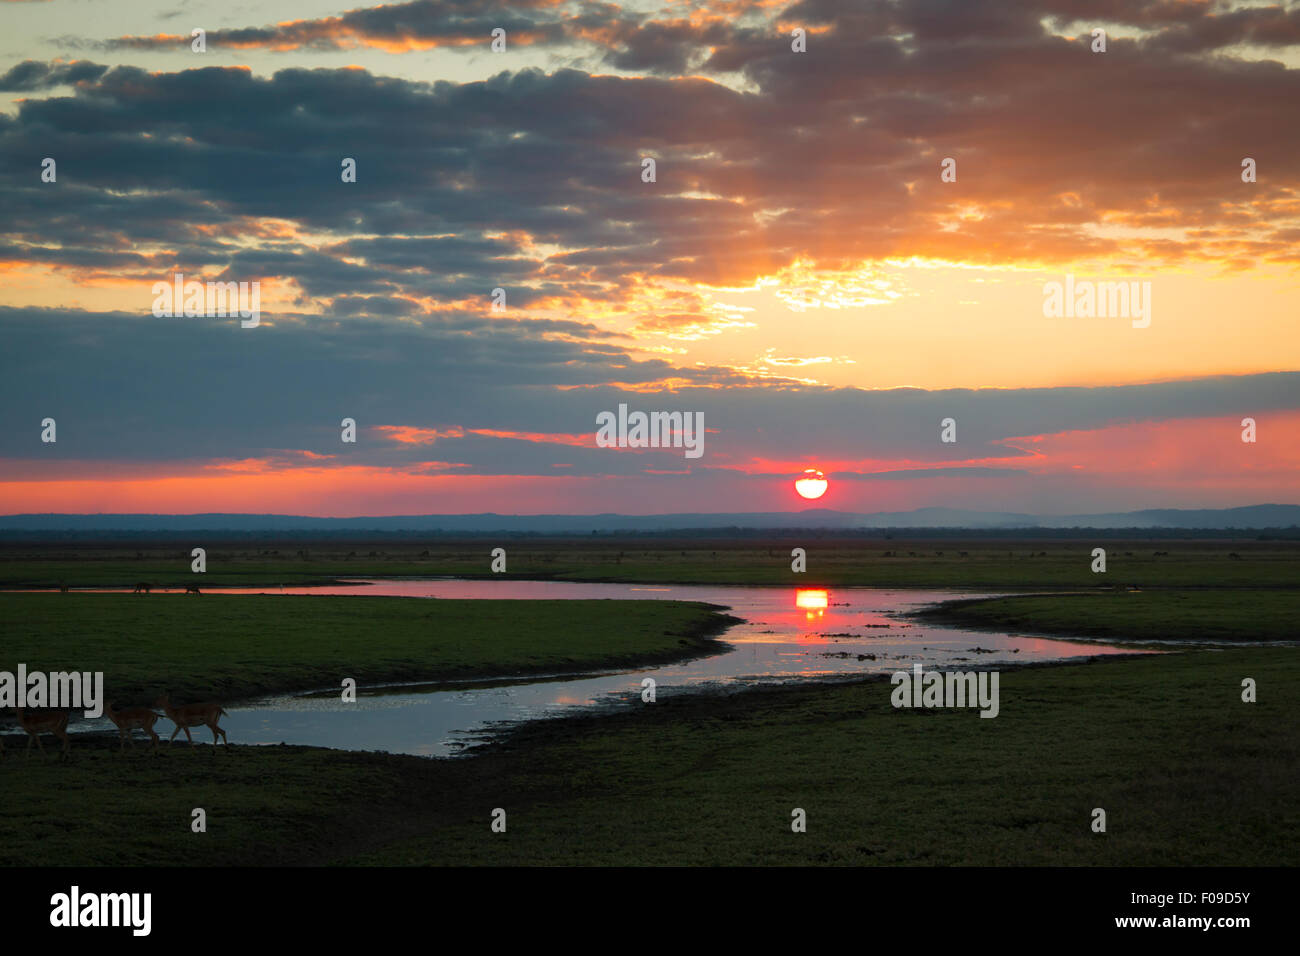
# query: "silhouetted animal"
{"points": [[132, 718], [192, 715], [44, 722]]}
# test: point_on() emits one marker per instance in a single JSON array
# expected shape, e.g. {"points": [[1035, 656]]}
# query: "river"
{"points": [[787, 634]]}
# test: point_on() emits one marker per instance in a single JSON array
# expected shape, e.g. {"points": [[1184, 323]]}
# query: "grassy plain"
{"points": [[914, 562], [229, 647], [1215, 616], [1188, 773]]}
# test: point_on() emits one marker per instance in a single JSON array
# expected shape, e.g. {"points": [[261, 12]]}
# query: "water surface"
{"points": [[788, 634]]}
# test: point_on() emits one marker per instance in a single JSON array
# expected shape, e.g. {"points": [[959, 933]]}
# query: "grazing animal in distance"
{"points": [[186, 716], [40, 722], [193, 589], [132, 718], [141, 588]]}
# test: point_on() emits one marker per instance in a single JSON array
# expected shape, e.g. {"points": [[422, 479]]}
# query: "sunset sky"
{"points": [[798, 272]]}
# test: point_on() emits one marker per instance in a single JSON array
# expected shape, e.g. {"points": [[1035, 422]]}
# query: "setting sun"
{"points": [[811, 484]]}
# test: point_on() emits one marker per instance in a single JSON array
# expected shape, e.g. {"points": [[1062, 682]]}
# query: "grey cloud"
{"points": [[131, 388], [34, 75]]}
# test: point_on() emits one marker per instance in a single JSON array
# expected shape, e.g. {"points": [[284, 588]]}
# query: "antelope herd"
{"points": [[184, 716]]}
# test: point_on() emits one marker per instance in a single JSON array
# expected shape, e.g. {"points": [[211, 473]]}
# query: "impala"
{"points": [[193, 715], [44, 722], [132, 718]]}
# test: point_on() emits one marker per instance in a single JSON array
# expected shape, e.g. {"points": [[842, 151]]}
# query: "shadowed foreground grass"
{"points": [[1238, 615], [1188, 775], [230, 647]]}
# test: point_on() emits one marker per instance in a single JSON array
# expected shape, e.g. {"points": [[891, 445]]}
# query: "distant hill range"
{"points": [[1252, 518]]}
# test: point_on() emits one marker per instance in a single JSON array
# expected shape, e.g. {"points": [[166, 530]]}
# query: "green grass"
{"points": [[1188, 774], [1141, 615], [265, 806], [834, 562], [229, 647]]}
